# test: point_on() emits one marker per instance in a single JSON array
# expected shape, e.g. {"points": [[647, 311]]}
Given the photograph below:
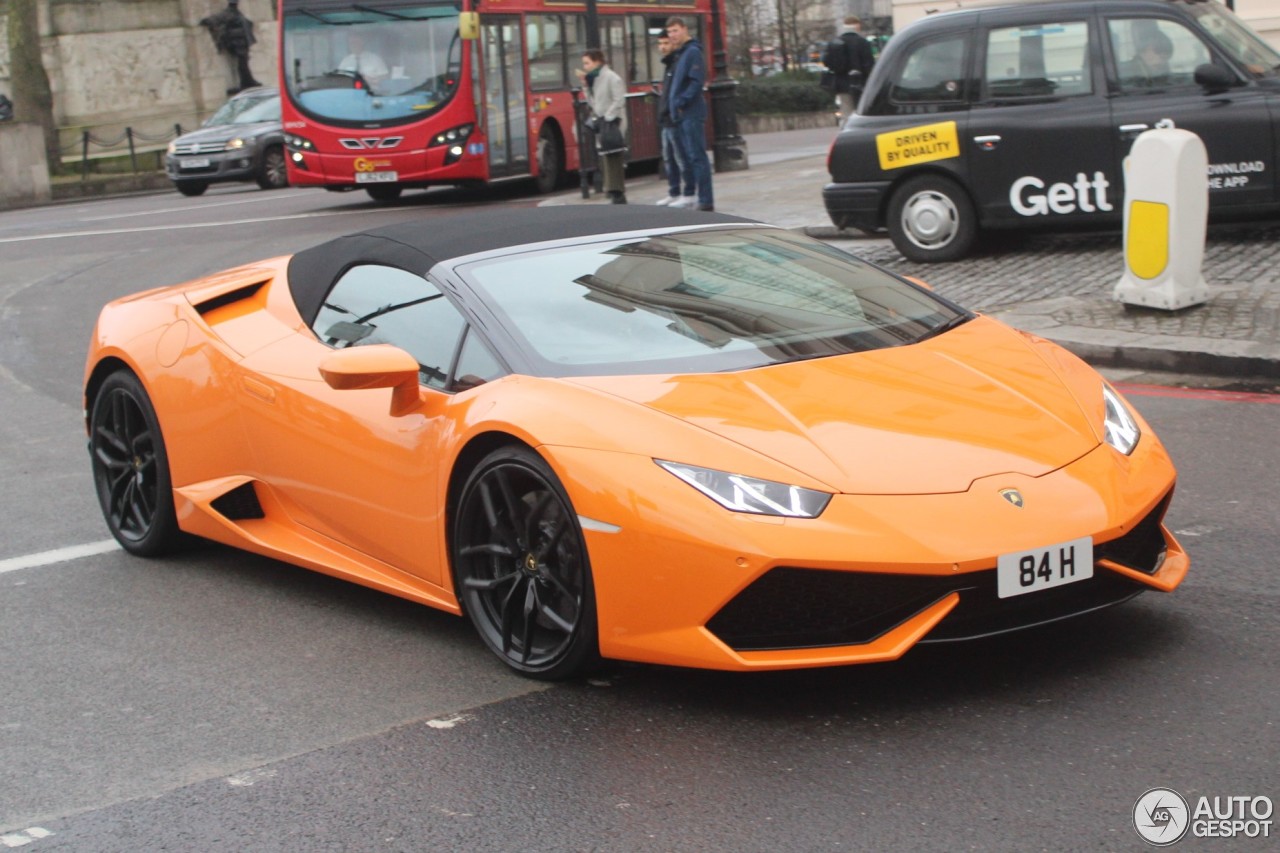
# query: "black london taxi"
{"points": [[1022, 116]]}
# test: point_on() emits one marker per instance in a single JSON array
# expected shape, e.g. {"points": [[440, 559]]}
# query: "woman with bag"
{"points": [[607, 97]]}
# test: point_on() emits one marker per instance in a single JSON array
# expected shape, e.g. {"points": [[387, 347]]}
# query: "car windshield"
{"points": [[246, 111], [700, 301], [1235, 37], [360, 65]]}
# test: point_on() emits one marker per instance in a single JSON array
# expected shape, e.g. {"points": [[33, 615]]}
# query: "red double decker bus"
{"points": [[384, 95]]}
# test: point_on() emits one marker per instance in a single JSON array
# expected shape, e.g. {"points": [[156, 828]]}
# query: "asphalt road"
{"points": [[221, 701]]}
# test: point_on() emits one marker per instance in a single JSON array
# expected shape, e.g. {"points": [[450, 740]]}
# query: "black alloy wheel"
{"points": [[521, 569], [131, 467], [273, 174]]}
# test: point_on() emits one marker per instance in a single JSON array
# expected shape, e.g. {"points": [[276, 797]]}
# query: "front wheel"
{"points": [[273, 174], [932, 220], [131, 467], [550, 160], [521, 569], [384, 192]]}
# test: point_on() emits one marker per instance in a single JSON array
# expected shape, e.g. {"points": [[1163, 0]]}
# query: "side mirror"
{"points": [[377, 366], [469, 25], [1214, 78]]}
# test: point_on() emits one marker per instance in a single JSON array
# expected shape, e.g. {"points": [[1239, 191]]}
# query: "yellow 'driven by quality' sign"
{"points": [[921, 144]]}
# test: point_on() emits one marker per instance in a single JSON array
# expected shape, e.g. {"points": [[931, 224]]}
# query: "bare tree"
{"points": [[801, 23], [750, 24], [32, 95]]}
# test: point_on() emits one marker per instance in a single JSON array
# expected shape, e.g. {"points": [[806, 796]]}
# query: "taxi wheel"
{"points": [[931, 220]]}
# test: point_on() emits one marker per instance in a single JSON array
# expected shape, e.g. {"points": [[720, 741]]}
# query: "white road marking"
{"points": [[249, 778], [105, 232], [58, 555], [24, 836], [189, 207], [448, 722]]}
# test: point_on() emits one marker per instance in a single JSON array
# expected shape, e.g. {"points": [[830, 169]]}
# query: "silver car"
{"points": [[242, 141]]}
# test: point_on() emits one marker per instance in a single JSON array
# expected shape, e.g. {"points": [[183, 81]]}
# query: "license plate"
{"points": [[194, 163], [377, 177], [1044, 568]]}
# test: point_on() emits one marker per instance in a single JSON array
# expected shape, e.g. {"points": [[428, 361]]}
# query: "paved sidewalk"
{"points": [[1058, 286]]}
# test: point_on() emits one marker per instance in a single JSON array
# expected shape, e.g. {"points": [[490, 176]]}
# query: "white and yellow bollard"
{"points": [[1166, 209]]}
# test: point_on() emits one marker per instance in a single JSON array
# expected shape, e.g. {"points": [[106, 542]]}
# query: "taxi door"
{"points": [[1039, 144], [1153, 62]]}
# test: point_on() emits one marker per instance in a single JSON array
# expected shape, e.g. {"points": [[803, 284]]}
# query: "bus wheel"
{"points": [[550, 160], [384, 192], [931, 220]]}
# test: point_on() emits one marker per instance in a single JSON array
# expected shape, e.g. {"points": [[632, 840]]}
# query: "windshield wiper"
{"points": [[313, 16], [945, 326]]}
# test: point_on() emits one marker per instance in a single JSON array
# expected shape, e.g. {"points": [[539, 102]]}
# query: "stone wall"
{"points": [[24, 174], [144, 64]]}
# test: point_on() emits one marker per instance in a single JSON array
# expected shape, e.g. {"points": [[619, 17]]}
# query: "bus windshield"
{"points": [[359, 65]]}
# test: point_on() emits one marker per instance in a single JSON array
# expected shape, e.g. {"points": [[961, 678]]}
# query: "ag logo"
{"points": [[1013, 496], [1161, 817], [363, 165]]}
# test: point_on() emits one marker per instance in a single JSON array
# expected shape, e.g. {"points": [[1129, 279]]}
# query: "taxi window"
{"points": [[1154, 54], [931, 73], [1046, 60]]}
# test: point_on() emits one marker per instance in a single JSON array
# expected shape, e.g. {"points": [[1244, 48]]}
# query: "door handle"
{"points": [[987, 143], [1132, 128]]}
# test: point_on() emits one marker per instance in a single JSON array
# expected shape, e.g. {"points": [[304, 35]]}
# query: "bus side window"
{"points": [[546, 52]]}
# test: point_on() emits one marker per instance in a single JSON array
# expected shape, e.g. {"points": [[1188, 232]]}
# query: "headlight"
{"points": [[173, 146], [452, 135], [1120, 430], [747, 494], [298, 143], [235, 143]]}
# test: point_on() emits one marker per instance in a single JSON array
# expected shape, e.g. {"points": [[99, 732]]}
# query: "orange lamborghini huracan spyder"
{"points": [[630, 433]]}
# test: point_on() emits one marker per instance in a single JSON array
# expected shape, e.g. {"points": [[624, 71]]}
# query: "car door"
{"points": [[1152, 64], [1039, 133], [343, 465]]}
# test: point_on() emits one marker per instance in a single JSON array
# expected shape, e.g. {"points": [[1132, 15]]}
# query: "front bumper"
{"points": [[685, 583], [859, 205], [239, 165]]}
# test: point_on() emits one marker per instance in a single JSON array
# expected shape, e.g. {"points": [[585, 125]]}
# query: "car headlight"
{"points": [[1120, 429], [173, 146], [235, 143], [747, 494]]}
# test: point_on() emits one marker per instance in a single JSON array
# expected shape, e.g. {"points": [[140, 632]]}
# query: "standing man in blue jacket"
{"points": [[689, 113]]}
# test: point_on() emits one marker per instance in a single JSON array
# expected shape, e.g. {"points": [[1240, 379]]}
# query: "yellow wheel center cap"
{"points": [[530, 563]]}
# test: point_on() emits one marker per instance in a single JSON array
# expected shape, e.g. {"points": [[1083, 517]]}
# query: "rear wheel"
{"points": [[550, 159], [931, 220], [192, 187], [384, 192], [273, 174], [131, 467], [521, 569]]}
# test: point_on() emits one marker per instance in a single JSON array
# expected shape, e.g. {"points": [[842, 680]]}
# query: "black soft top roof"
{"points": [[419, 245]]}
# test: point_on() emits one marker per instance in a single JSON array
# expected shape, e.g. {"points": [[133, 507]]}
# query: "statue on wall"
{"points": [[232, 32]]}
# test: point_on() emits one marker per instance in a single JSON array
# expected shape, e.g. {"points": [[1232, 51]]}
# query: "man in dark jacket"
{"points": [[672, 159], [232, 33], [853, 68], [689, 113]]}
